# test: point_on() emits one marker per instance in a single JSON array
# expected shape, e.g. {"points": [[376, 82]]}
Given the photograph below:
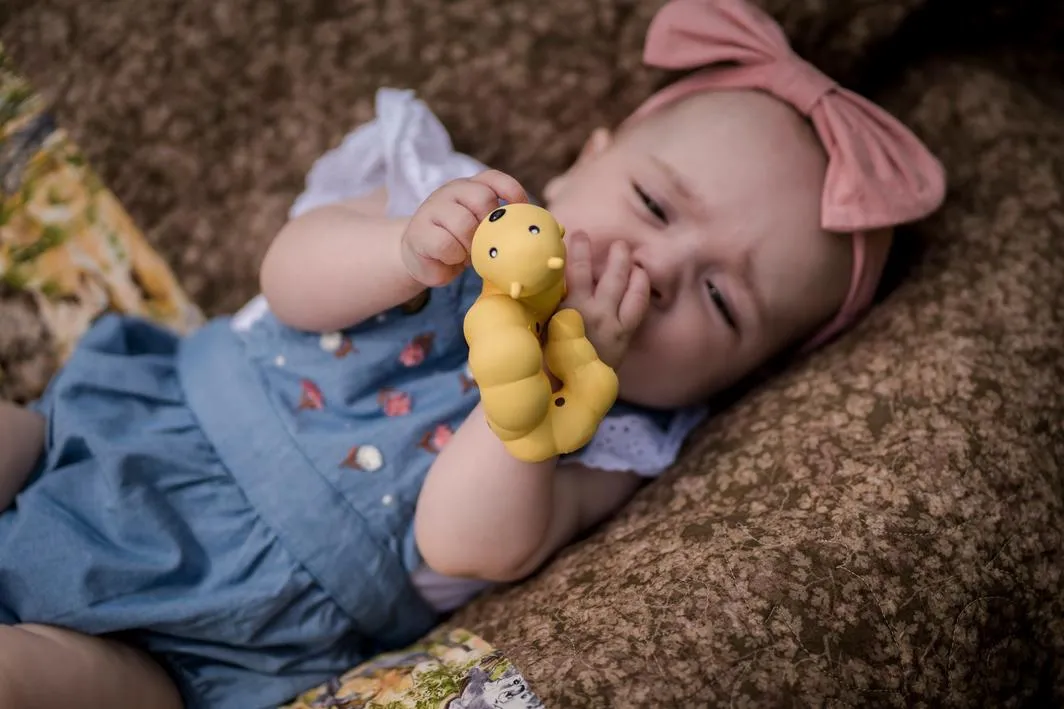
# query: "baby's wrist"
{"points": [[610, 351], [407, 269]]}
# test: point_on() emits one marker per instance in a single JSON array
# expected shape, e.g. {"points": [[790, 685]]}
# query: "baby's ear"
{"points": [[598, 141]]}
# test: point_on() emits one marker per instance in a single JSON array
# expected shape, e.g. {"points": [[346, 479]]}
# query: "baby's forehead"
{"points": [[749, 157], [727, 129]]}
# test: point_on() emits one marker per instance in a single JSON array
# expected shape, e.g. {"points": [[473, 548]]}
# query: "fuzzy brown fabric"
{"points": [[880, 525]]}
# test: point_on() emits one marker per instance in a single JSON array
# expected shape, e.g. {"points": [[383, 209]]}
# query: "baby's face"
{"points": [[718, 198]]}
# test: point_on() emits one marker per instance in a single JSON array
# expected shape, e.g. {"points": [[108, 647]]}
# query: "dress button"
{"points": [[387, 500]]}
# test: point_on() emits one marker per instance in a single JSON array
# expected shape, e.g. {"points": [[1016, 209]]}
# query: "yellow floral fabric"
{"points": [[452, 669], [64, 238]]}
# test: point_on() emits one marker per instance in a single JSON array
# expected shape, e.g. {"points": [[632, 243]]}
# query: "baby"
{"points": [[228, 519]]}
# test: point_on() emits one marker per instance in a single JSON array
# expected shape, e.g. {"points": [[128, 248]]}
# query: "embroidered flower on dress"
{"points": [[433, 441], [335, 343], [394, 402], [417, 350], [310, 396], [367, 458]]}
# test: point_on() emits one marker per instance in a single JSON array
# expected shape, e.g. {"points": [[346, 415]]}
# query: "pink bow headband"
{"points": [[879, 174]]}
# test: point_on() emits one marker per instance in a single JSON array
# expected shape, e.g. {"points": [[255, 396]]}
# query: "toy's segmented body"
{"points": [[519, 253]]}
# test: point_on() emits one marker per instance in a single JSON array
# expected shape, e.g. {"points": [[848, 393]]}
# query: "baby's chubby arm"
{"points": [[484, 514], [337, 265]]}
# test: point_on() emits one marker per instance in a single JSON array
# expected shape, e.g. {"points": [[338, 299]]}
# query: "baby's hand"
{"points": [[436, 242], [613, 308]]}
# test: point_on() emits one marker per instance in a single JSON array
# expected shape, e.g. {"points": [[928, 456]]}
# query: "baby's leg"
{"points": [[49, 668], [21, 440]]}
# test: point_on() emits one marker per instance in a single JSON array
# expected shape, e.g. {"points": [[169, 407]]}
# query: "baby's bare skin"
{"points": [[52, 668], [43, 667], [21, 441]]}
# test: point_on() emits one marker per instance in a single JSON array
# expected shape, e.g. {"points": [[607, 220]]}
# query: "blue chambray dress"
{"points": [[240, 502]]}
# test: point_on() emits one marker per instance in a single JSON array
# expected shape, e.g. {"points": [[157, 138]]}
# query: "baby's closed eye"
{"points": [[721, 304], [651, 204]]}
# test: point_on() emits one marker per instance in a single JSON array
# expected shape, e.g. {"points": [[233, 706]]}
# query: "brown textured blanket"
{"points": [[878, 525]]}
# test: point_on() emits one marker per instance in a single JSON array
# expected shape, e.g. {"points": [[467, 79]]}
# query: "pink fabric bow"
{"points": [[879, 174]]}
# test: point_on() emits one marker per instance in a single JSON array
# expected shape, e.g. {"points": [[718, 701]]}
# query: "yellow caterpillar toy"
{"points": [[519, 253]]}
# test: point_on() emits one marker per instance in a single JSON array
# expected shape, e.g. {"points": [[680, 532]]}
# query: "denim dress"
{"points": [[240, 502]]}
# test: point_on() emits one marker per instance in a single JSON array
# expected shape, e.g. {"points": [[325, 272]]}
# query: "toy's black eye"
{"points": [[497, 215], [493, 252], [533, 229]]}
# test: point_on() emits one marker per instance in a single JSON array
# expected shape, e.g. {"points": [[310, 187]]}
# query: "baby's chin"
{"points": [[638, 389]]}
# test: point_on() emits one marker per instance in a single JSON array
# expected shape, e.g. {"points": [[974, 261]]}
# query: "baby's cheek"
{"points": [[658, 378], [601, 216], [684, 333], [693, 353], [661, 350]]}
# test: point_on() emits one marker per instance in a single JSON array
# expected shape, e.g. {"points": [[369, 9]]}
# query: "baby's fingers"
{"points": [[504, 186], [476, 199], [452, 230], [578, 278], [636, 301], [614, 280]]}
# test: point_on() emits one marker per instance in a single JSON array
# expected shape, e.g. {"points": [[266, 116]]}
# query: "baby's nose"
{"points": [[663, 278]]}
